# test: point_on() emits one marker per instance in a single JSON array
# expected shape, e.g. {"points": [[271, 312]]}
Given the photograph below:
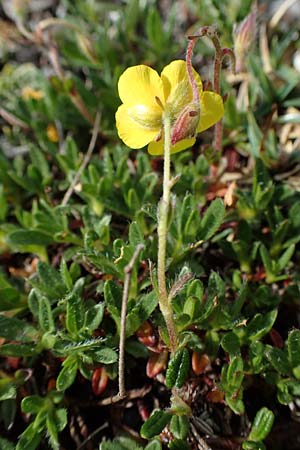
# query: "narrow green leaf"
{"points": [[285, 258], [179, 426], [65, 274], [29, 439], [155, 424], [266, 259], [67, 374], [254, 134], [29, 237], [262, 425], [235, 372], [136, 236], [293, 345], [178, 368], [75, 313], [212, 220], [45, 315], [113, 296]]}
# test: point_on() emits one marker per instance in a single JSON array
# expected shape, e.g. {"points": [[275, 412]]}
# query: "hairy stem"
{"points": [[217, 88], [162, 230], [189, 55]]}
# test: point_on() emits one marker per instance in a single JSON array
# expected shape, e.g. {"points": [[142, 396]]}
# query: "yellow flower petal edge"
{"points": [[131, 132], [140, 85], [174, 73], [211, 110], [157, 148]]}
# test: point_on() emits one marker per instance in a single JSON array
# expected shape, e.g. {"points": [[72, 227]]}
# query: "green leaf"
{"points": [[68, 373], [293, 346], [136, 236], [29, 237], [6, 445], [255, 135], [19, 350], [155, 424], [9, 295], [113, 296], [231, 343], [262, 425], [153, 445], [285, 258], [7, 389], [179, 426], [61, 418], [29, 439], [94, 316], [140, 312], [132, 200], [32, 404], [8, 410], [120, 443], [250, 445], [52, 431], [215, 294], [50, 282], [212, 220], [279, 360], [65, 274], [16, 330], [105, 356], [195, 289], [179, 444], [235, 373], [103, 264], [260, 325], [75, 313], [45, 315], [266, 259], [178, 368]]}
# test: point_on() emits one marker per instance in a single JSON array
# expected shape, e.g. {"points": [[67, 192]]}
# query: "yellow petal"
{"points": [[140, 85], [157, 148], [132, 126], [175, 73], [211, 110]]}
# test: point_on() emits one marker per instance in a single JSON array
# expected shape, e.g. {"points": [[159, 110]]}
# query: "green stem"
{"points": [[162, 230]]}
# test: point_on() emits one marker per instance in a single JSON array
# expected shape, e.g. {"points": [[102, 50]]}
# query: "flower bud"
{"points": [[244, 35], [186, 124]]}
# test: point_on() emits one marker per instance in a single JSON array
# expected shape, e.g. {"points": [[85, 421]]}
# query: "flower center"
{"points": [[145, 117]]}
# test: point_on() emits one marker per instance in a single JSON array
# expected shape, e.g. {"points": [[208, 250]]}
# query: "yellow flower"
{"points": [[28, 93], [52, 133], [145, 96]]}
